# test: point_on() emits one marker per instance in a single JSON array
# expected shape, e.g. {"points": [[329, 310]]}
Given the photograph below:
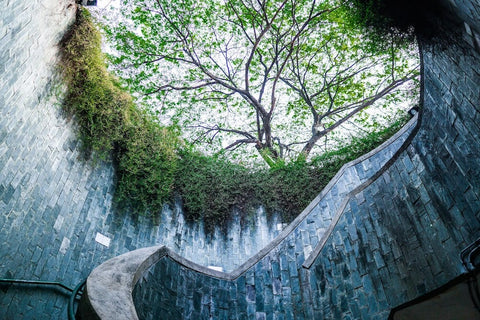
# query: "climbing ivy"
{"points": [[384, 19], [112, 126], [213, 188]]}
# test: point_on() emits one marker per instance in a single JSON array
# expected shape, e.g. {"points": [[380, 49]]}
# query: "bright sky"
{"points": [[105, 3], [340, 136]]}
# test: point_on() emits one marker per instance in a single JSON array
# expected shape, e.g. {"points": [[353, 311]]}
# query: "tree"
{"points": [[275, 74]]}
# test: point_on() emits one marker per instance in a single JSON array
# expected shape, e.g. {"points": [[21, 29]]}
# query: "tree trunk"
{"points": [[310, 144]]}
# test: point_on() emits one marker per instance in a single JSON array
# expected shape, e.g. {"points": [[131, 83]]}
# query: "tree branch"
{"points": [[357, 107]]}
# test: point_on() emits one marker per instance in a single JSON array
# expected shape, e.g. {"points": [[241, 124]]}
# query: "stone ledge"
{"points": [[109, 287], [120, 274], [108, 293]]}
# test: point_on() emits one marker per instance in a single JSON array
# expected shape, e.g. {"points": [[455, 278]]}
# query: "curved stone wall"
{"points": [[397, 234], [309, 230], [56, 221], [396, 237]]}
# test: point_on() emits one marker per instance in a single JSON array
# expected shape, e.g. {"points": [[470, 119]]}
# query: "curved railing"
{"points": [[109, 287]]}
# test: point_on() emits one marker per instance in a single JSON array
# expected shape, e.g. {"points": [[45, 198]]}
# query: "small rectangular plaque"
{"points": [[103, 240]]}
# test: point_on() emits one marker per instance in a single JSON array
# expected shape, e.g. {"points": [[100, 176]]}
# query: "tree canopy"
{"points": [[276, 75]]}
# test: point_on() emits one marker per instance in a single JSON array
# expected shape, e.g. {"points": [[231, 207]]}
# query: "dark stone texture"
{"points": [[402, 235], [397, 238]]}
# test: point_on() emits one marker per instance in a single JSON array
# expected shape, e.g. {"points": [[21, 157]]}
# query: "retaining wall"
{"points": [[396, 237], [56, 220], [396, 234], [56, 217]]}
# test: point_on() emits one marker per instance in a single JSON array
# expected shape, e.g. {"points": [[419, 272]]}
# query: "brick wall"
{"points": [[397, 237], [54, 206], [376, 237], [56, 217]]}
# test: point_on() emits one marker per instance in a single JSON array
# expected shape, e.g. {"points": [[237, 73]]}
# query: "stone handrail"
{"points": [[120, 274]]}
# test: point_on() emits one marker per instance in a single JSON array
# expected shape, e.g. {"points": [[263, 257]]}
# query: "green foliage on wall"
{"points": [[92, 97], [383, 19], [146, 164], [111, 125], [212, 188]]}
